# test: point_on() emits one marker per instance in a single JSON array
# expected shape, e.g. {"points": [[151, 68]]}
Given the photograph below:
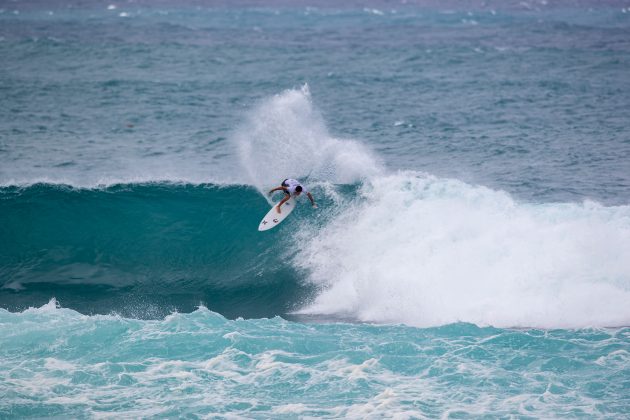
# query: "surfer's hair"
{"points": [[298, 188]]}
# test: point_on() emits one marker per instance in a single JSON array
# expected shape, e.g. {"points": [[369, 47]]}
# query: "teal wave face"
{"points": [[143, 250], [405, 248], [56, 362]]}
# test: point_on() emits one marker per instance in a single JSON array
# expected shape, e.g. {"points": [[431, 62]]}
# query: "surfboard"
{"points": [[273, 219]]}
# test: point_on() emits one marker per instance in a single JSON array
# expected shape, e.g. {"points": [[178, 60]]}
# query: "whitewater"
{"points": [[469, 257]]}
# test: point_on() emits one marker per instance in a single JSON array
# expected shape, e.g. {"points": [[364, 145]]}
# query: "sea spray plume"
{"points": [[285, 136], [426, 251]]}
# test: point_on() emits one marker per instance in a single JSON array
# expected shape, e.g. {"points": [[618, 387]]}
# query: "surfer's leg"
{"points": [[286, 197]]}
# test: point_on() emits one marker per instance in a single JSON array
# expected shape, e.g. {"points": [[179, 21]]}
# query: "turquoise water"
{"points": [[468, 259], [201, 364]]}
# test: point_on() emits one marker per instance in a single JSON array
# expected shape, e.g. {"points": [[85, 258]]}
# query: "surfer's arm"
{"points": [[310, 197], [278, 189]]}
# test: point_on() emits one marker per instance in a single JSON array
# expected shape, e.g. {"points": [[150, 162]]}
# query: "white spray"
{"points": [[285, 137]]}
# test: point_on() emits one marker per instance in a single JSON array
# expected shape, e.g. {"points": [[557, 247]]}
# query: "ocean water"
{"points": [[470, 256]]}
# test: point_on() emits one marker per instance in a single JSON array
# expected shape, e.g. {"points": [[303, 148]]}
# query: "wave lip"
{"points": [[426, 251]]}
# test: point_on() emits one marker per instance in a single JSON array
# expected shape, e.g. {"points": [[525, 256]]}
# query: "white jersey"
{"points": [[292, 183]]}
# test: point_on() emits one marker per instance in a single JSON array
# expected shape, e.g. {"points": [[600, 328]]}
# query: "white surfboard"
{"points": [[273, 219]]}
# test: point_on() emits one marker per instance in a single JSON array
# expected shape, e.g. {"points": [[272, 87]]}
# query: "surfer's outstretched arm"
{"points": [[310, 197], [278, 189], [286, 197]]}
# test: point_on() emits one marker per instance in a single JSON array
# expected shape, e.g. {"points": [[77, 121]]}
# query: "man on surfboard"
{"points": [[292, 187]]}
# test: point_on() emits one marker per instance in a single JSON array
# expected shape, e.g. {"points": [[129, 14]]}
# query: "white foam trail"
{"points": [[286, 137], [425, 251]]}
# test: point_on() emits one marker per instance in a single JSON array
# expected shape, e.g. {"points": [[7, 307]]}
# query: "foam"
{"points": [[113, 367], [425, 251]]}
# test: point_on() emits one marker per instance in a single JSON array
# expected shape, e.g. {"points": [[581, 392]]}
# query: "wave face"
{"points": [[427, 251], [403, 248], [143, 250], [201, 364]]}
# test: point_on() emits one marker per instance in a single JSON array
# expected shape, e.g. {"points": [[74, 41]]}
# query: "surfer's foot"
{"points": [[278, 209]]}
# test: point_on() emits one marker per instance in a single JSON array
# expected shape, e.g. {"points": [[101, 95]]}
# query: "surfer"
{"points": [[292, 187]]}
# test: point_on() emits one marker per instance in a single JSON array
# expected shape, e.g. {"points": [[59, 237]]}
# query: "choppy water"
{"points": [[201, 364], [470, 255]]}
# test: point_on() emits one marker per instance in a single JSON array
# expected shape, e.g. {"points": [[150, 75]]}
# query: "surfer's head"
{"points": [[298, 189]]}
